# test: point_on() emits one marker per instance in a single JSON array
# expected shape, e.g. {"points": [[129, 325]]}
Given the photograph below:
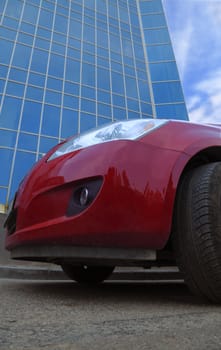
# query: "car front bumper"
{"points": [[130, 209]]}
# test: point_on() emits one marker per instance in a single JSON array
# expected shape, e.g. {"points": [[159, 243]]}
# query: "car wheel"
{"points": [[87, 274], [197, 230]]}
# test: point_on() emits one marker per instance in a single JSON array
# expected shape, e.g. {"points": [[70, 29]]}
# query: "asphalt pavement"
{"points": [[135, 308], [63, 315]]}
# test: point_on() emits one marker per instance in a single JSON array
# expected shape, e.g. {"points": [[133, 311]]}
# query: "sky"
{"points": [[195, 30]]}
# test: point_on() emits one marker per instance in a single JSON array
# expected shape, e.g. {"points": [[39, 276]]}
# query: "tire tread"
{"points": [[197, 230]]}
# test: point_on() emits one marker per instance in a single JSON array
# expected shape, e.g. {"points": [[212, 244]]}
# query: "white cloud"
{"points": [[181, 25], [201, 115], [196, 36], [214, 7], [205, 102], [193, 102], [182, 48], [211, 83]]}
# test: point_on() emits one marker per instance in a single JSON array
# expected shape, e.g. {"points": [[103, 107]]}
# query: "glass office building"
{"points": [[70, 65]]}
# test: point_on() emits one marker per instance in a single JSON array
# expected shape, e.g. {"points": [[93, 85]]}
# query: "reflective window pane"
{"points": [[144, 91], [46, 19], [53, 83], [46, 143], [24, 52], [88, 92], [164, 71], [34, 93], [133, 104], [88, 105], [52, 97], [10, 22], [103, 79], [6, 156], [51, 120], [131, 87], [104, 96], [160, 53], [3, 195], [18, 75], [119, 113], [72, 70], [88, 74], [7, 33], [3, 70], [6, 51], [15, 89], [87, 122], [102, 121], [27, 27], [168, 92], [23, 162], [14, 8], [25, 39], [71, 88], [10, 113], [133, 115], [2, 85], [48, 5], [156, 36], [69, 123], [75, 28], [44, 33], [8, 138], [117, 83], [36, 79], [31, 117], [61, 24], [119, 100], [104, 110], [154, 21], [56, 65], [42, 43], [2, 5], [150, 6], [27, 142], [71, 101], [173, 111], [146, 108], [30, 13]]}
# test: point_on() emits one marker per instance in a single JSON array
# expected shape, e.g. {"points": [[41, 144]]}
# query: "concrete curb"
{"points": [[36, 273], [41, 273]]}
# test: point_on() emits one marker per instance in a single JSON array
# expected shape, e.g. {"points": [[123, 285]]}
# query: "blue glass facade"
{"points": [[70, 65]]}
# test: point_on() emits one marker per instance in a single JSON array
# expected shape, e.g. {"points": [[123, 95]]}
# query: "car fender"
{"points": [[179, 168]]}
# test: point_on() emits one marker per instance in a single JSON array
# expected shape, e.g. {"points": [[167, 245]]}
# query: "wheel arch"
{"points": [[183, 165], [204, 156]]}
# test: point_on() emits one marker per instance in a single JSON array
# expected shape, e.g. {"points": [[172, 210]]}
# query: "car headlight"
{"points": [[123, 130]]}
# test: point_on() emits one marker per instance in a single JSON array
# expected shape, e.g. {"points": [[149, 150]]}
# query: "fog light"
{"points": [[84, 194]]}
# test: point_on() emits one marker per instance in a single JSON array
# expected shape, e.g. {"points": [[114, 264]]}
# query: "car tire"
{"points": [[87, 274], [197, 230]]}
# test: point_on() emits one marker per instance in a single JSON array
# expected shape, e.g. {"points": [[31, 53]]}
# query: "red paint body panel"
{"points": [[134, 206]]}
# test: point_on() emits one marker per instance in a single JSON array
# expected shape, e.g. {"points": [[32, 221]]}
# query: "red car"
{"points": [[142, 192]]}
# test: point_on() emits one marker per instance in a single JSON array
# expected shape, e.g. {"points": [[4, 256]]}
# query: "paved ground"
{"points": [[63, 315], [136, 315]]}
